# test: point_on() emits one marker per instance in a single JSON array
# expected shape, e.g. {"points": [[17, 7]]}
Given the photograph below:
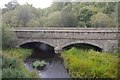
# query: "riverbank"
{"points": [[90, 64], [76, 63], [13, 64], [18, 64]]}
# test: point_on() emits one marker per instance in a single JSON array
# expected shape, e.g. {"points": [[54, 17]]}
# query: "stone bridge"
{"points": [[104, 38]]}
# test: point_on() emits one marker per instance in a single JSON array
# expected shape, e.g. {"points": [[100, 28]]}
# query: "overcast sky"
{"points": [[47, 3], [35, 3]]}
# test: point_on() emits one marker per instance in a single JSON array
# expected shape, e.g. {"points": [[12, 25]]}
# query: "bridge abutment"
{"points": [[57, 50]]}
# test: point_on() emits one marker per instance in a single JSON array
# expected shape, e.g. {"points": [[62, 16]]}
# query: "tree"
{"points": [[24, 14], [109, 7], [68, 19], [56, 6], [60, 14], [114, 15], [10, 19], [118, 14], [85, 15], [53, 19], [33, 23], [10, 6], [8, 38], [102, 20], [43, 21]]}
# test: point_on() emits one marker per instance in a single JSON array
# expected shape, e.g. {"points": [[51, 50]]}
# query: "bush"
{"points": [[8, 62], [90, 64], [17, 53], [39, 64], [12, 73], [102, 20], [8, 38], [10, 68], [13, 65]]}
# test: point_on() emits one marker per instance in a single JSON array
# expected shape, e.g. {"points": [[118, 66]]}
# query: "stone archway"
{"points": [[39, 49], [21, 42], [83, 45]]}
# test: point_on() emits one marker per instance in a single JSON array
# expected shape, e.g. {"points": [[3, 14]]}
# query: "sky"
{"points": [[44, 3], [35, 3]]}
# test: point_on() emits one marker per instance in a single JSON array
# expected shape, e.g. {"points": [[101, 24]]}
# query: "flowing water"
{"points": [[53, 69]]}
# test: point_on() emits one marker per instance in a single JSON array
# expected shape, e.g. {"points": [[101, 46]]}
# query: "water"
{"points": [[53, 69]]}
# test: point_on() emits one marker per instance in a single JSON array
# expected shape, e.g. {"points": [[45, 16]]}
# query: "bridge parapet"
{"points": [[68, 34], [61, 28]]}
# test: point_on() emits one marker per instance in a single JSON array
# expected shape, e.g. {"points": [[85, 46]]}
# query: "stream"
{"points": [[53, 69]]}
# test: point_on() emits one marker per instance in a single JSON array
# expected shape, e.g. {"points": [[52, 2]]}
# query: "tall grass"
{"points": [[90, 64], [13, 65]]}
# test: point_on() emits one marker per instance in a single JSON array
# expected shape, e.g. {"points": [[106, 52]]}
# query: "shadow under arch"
{"points": [[39, 49], [84, 46], [35, 41]]}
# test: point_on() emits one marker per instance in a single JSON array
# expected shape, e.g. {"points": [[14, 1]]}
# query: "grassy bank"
{"points": [[13, 65], [90, 64]]}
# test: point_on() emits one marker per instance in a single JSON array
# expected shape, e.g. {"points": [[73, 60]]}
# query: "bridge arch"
{"points": [[28, 44], [78, 43], [39, 49], [34, 41]]}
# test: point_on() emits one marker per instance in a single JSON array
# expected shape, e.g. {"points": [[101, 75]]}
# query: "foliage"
{"points": [[9, 68], [68, 19], [53, 19], [90, 64], [20, 53], [85, 14], [38, 63], [118, 51], [10, 6], [33, 23], [8, 38], [118, 48], [58, 14], [56, 7], [8, 62], [109, 7], [12, 64], [118, 11], [102, 20], [12, 73]]}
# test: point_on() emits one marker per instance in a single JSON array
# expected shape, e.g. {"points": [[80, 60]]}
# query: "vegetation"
{"points": [[12, 58], [13, 65], [90, 64], [69, 14], [38, 64], [119, 59], [102, 20], [8, 38], [80, 63]]}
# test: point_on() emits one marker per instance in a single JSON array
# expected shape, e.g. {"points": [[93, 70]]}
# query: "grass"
{"points": [[13, 64], [90, 64]]}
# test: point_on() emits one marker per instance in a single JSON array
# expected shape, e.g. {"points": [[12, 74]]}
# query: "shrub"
{"points": [[13, 65], [102, 20], [18, 53], [8, 38], [12, 73], [90, 64], [8, 62], [10, 68], [39, 64]]}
